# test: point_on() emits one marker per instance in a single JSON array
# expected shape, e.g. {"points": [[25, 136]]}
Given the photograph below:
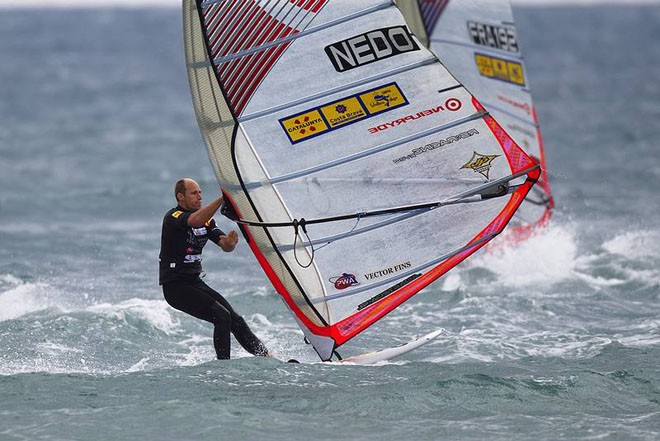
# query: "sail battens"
{"points": [[379, 77], [373, 151]]}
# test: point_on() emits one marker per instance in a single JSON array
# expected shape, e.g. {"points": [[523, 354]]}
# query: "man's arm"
{"points": [[204, 214]]}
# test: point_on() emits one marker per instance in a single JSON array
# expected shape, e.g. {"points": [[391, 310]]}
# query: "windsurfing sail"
{"points": [[477, 41], [357, 167]]}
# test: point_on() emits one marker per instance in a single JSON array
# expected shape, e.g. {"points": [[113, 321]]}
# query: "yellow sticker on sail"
{"points": [[384, 98], [340, 113], [304, 126], [343, 112], [500, 69]]}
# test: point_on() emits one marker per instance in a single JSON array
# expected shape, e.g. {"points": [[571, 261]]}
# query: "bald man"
{"points": [[186, 229]]}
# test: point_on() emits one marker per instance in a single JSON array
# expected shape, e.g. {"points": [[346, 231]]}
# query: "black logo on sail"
{"points": [[497, 37], [370, 47]]}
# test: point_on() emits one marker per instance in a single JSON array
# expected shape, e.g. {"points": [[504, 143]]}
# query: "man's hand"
{"points": [[228, 242]]}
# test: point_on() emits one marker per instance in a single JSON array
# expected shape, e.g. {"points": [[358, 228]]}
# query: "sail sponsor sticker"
{"points": [[388, 271], [340, 113], [519, 105], [497, 37], [370, 47], [346, 280], [480, 163], [383, 99], [304, 125], [431, 146], [452, 105], [344, 112], [500, 69]]}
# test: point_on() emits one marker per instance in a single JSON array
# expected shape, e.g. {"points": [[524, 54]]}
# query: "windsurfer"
{"points": [[186, 229]]}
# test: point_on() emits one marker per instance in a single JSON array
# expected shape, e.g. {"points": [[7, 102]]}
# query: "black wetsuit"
{"points": [[180, 268]]}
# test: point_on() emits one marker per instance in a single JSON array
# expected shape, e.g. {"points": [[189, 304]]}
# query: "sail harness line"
{"points": [[497, 188], [544, 199], [354, 231], [501, 184]]}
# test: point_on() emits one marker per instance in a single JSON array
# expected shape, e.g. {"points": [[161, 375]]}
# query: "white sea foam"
{"points": [[598, 281], [491, 345], [23, 298], [547, 257], [634, 244], [155, 312], [55, 349]]}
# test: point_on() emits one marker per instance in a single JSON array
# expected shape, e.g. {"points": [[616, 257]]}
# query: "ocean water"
{"points": [[555, 339]]}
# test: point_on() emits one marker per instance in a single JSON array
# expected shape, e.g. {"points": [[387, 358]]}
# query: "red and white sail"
{"points": [[359, 169]]}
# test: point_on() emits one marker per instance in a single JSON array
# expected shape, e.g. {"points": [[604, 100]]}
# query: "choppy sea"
{"points": [[555, 339]]}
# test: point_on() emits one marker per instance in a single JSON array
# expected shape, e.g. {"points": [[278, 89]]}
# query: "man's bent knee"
{"points": [[220, 313]]}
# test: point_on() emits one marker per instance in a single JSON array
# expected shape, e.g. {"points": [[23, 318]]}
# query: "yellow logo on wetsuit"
{"points": [[176, 214]]}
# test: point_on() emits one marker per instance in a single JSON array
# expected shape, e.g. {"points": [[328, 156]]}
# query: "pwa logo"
{"points": [[344, 281], [370, 47]]}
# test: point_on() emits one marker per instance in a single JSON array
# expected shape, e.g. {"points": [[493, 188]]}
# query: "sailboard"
{"points": [[477, 41], [390, 353], [358, 169]]}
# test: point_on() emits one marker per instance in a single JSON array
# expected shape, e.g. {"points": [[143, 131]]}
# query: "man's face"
{"points": [[192, 200]]}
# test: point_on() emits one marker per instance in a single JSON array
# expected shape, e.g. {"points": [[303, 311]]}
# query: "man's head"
{"points": [[188, 194]]}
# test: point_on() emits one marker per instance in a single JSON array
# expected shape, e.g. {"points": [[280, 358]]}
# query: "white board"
{"points": [[390, 353]]}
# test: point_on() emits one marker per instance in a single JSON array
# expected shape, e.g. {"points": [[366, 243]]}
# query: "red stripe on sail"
{"points": [[238, 69], [224, 35], [309, 5], [241, 77], [255, 77]]}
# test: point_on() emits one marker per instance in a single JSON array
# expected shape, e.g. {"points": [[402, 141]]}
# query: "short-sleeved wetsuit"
{"points": [[179, 274], [181, 246]]}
